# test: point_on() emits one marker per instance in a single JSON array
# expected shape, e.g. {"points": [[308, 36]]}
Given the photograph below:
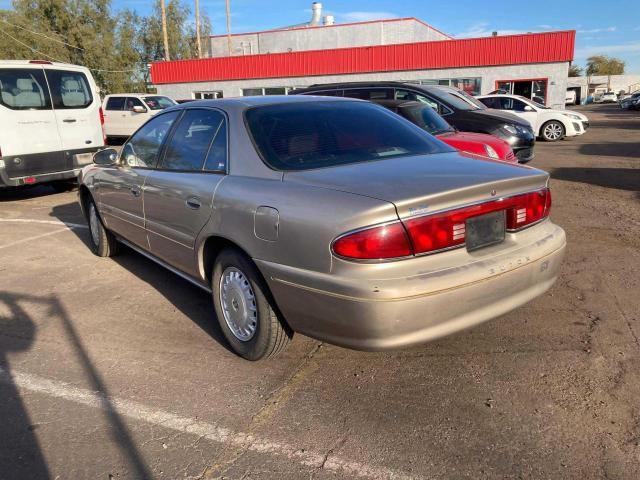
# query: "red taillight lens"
{"points": [[431, 233], [104, 135], [386, 241]]}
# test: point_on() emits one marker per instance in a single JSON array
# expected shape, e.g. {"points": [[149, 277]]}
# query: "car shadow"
{"points": [[618, 178], [12, 194], [613, 149], [192, 301]]}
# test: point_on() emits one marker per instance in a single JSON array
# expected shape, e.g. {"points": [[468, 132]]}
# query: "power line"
{"points": [[42, 35], [63, 61]]}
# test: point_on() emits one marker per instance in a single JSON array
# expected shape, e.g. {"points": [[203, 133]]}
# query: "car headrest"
{"points": [[70, 85], [25, 84]]}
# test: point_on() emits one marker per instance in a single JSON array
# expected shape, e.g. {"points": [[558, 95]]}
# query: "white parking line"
{"points": [[46, 222], [209, 431], [35, 237]]}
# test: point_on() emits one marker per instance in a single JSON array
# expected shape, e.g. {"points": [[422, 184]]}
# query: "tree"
{"points": [[575, 71], [604, 65]]}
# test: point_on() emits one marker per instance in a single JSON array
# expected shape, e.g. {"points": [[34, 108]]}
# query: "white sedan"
{"points": [[548, 123]]}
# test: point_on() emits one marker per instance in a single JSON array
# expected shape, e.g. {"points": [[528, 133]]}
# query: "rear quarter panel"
{"points": [[309, 219]]}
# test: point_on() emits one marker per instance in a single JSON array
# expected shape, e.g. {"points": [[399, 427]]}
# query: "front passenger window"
{"points": [[143, 148]]}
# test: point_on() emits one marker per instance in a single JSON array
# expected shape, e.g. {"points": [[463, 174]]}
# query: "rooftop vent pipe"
{"points": [[328, 20], [316, 14]]}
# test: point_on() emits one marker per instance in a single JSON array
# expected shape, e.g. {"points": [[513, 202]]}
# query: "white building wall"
{"points": [[326, 37], [556, 73], [628, 83]]}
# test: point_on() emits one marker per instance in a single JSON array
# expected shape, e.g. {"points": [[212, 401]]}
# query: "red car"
{"points": [[428, 119]]}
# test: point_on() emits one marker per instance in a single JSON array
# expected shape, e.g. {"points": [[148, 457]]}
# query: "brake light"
{"points": [[40, 62], [104, 136], [440, 231], [385, 241]]}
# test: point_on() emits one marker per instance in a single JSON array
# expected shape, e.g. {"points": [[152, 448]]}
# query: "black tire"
{"points": [[549, 129], [271, 335], [103, 242]]}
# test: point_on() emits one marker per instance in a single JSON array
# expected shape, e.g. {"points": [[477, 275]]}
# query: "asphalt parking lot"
{"points": [[115, 368]]}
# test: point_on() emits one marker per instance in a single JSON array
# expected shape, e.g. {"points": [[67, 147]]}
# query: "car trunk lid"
{"points": [[423, 184]]}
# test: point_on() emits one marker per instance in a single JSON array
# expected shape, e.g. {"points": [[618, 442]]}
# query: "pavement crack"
{"points": [[274, 400]]}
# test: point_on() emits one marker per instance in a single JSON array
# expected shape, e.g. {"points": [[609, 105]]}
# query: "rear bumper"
{"points": [[524, 155], [37, 163], [383, 314]]}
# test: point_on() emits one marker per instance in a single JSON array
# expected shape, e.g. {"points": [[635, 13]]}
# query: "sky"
{"points": [[602, 28]]}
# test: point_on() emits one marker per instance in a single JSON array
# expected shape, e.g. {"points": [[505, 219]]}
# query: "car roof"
{"points": [[399, 103], [247, 102], [329, 86], [135, 95]]}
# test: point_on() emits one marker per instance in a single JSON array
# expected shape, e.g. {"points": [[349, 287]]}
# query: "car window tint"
{"points": [[69, 89], [491, 102], [217, 157], [133, 102], [115, 103], [142, 149], [191, 140], [321, 134], [24, 89], [370, 93], [410, 95], [158, 103]]}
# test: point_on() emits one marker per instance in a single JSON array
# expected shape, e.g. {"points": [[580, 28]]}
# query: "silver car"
{"points": [[326, 216]]}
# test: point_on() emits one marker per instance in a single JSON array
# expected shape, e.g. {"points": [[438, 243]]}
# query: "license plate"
{"points": [[485, 230]]}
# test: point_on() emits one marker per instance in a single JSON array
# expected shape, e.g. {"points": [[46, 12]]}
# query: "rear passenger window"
{"points": [[189, 145], [69, 89], [370, 93], [115, 103], [24, 89], [217, 156]]}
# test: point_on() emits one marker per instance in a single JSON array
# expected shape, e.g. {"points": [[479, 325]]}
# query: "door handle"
{"points": [[135, 191], [69, 120], [193, 203]]}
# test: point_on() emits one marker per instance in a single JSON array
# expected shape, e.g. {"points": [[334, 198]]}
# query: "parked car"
{"points": [[50, 122], [549, 124], [570, 97], [608, 97], [124, 113], [458, 107], [630, 102], [426, 118], [330, 217]]}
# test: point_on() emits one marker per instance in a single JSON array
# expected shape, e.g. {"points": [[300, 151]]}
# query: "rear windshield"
{"points": [[158, 103], [303, 136]]}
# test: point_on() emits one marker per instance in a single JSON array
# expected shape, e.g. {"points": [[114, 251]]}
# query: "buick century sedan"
{"points": [[330, 217]]}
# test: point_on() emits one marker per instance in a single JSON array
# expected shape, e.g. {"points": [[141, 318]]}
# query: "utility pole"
{"points": [[198, 29], [164, 31], [228, 26]]}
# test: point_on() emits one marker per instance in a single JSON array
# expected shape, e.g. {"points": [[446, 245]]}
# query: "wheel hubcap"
{"points": [[553, 131], [238, 304], [93, 225]]}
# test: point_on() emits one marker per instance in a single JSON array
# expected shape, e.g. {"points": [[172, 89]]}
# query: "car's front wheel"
{"points": [[246, 312], [553, 131], [103, 242]]}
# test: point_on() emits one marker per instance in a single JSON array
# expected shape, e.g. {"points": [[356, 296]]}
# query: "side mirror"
{"points": [[108, 156], [139, 109], [528, 108]]}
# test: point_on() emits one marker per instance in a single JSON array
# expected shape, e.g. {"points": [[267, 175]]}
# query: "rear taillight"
{"points": [[385, 241], [104, 136], [440, 231]]}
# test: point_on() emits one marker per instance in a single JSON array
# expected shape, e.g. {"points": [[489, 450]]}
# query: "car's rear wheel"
{"points": [[246, 312], [553, 131], [103, 242]]}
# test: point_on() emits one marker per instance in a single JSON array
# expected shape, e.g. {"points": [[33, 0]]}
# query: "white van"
{"points": [[50, 121], [570, 98], [124, 113]]}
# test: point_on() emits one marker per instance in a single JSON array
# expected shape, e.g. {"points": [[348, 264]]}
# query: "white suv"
{"points": [[50, 122], [124, 113]]}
